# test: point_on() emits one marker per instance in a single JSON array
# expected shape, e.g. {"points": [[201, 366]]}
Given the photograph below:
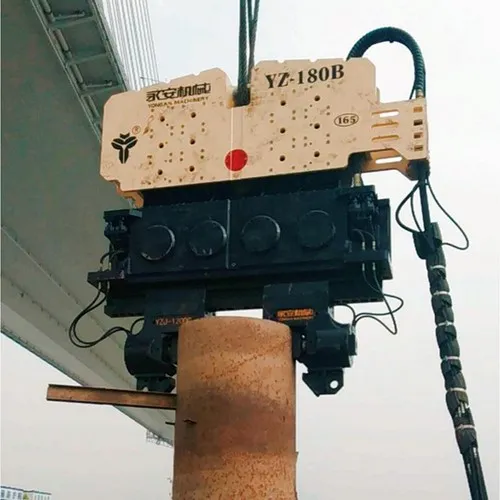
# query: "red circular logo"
{"points": [[235, 160]]}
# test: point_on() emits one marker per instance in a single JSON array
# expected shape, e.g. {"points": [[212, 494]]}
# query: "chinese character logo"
{"points": [[124, 144]]}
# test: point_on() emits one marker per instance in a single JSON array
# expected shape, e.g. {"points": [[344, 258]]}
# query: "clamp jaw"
{"points": [[322, 344], [151, 355], [319, 342]]}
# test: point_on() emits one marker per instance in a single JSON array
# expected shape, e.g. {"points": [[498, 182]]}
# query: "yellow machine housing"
{"points": [[303, 116]]}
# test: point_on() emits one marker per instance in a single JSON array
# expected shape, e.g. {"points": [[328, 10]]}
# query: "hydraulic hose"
{"points": [[390, 34]]}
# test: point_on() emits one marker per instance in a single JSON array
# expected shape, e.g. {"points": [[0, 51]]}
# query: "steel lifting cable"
{"points": [[249, 15], [429, 246]]}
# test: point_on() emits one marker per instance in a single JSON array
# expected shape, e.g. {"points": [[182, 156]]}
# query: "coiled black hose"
{"points": [[390, 34]]}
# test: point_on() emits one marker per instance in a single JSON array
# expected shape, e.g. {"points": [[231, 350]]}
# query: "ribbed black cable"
{"points": [[457, 399], [391, 34], [429, 246]]}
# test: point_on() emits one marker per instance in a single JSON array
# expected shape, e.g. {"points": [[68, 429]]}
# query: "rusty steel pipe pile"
{"points": [[235, 418]]}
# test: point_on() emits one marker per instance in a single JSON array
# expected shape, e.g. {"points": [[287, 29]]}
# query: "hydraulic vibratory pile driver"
{"points": [[252, 197], [253, 206]]}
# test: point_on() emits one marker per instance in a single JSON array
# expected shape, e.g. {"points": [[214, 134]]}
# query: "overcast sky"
{"points": [[387, 434]]}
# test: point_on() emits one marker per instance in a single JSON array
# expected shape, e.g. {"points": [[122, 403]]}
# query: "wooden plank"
{"points": [[114, 397]]}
